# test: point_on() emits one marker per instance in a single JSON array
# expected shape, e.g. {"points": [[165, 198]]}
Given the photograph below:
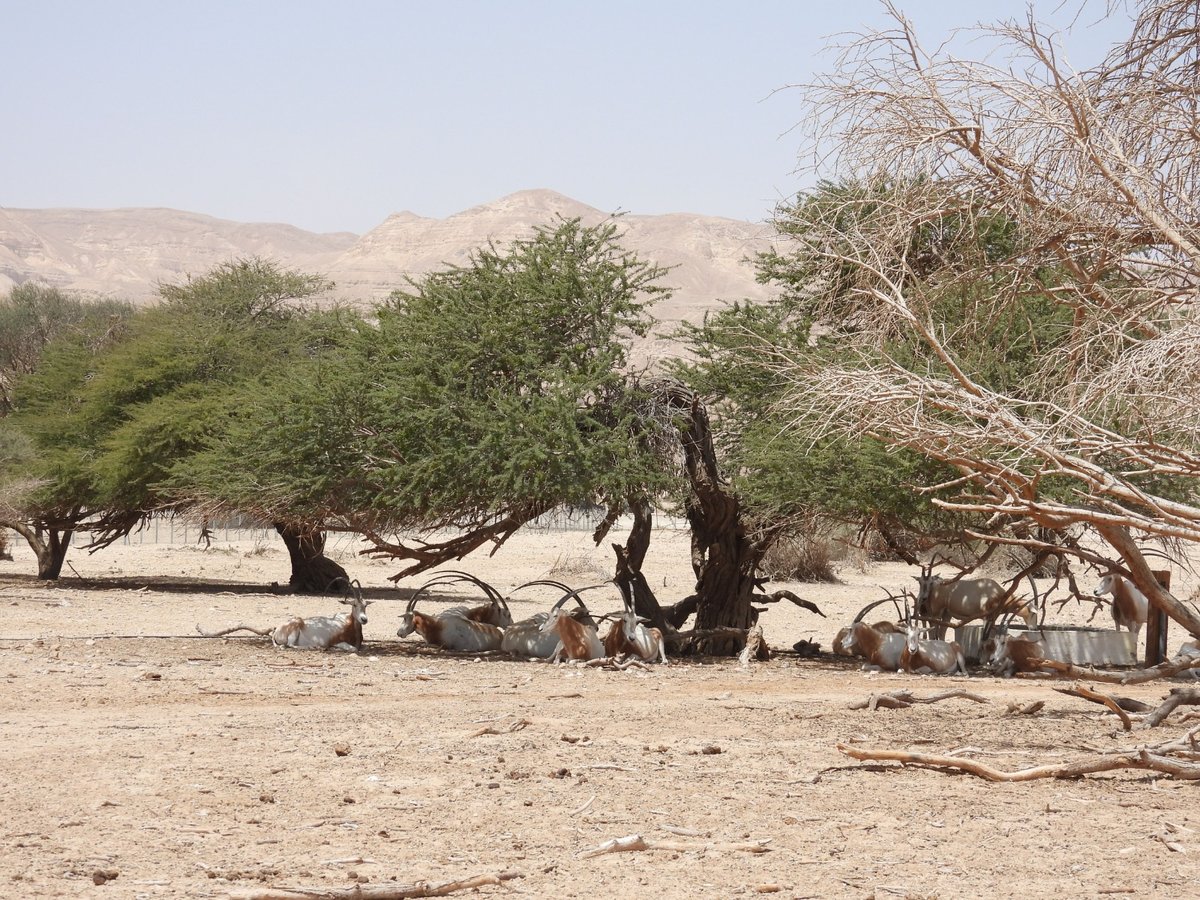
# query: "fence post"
{"points": [[1156, 623]]}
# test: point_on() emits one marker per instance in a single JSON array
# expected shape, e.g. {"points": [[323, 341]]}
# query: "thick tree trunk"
{"points": [[726, 583], [49, 545], [725, 558], [312, 571], [54, 554]]}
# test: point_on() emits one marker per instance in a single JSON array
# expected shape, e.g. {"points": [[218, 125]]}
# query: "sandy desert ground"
{"points": [[192, 767]]}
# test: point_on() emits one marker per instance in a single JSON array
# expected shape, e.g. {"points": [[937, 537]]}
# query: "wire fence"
{"points": [[181, 532]]}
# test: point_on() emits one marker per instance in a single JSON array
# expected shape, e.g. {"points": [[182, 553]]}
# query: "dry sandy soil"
{"points": [[194, 767]]}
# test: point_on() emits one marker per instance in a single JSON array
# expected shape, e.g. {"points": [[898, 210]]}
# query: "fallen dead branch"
{"points": [[1016, 709], [586, 806], [1126, 703], [634, 842], [374, 892], [904, 699], [1142, 758], [1140, 676], [261, 632], [512, 726], [1115, 704], [684, 832], [612, 662], [1177, 697]]}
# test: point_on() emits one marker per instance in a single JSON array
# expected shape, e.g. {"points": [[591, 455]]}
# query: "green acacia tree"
{"points": [[32, 316], [479, 398], [33, 319], [109, 426]]}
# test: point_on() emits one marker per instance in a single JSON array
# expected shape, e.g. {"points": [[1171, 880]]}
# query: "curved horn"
{"points": [[575, 594], [353, 587], [492, 594], [890, 598], [626, 595], [441, 578], [548, 582]]}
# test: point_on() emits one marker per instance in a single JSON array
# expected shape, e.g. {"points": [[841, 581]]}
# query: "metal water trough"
{"points": [[1078, 645]]}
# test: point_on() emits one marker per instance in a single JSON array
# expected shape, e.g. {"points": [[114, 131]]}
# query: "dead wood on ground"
{"points": [[756, 648], [619, 663], [1140, 676], [1176, 698], [903, 699], [518, 725], [634, 842], [1118, 705], [1128, 704], [374, 892], [1149, 758], [261, 632], [1028, 709]]}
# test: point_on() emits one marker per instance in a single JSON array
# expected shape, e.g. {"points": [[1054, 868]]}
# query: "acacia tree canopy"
{"points": [[33, 318], [480, 397], [110, 419]]}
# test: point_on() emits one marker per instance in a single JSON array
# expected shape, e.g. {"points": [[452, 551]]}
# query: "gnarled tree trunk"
{"points": [[312, 571], [724, 557]]}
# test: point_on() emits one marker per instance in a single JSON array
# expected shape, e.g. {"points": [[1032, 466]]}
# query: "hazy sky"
{"points": [[332, 115]]}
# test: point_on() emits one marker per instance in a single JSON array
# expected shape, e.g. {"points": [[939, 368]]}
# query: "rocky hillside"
{"points": [[128, 252]]}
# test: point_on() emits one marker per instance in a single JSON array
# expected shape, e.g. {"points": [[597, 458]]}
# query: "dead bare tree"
{"points": [[1096, 173]]}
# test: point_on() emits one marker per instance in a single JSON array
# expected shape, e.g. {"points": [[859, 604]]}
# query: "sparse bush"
{"points": [[569, 565], [806, 558]]}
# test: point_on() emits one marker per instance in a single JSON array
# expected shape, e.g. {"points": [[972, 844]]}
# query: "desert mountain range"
{"points": [[127, 253]]}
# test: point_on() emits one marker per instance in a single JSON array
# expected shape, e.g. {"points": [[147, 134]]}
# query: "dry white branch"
{"points": [[1102, 762], [374, 892], [1002, 188], [635, 842]]}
